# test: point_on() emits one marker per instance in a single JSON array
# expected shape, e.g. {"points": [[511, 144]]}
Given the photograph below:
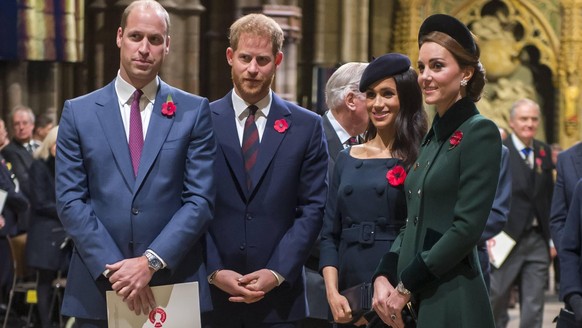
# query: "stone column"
{"points": [[181, 66], [570, 66], [354, 30], [289, 18]]}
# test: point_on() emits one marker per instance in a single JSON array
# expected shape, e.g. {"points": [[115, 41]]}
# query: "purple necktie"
{"points": [[250, 143], [135, 131]]}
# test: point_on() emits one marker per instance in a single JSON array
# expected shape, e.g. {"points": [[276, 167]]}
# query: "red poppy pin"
{"points": [[455, 139], [542, 152], [281, 125], [396, 176], [169, 108]]}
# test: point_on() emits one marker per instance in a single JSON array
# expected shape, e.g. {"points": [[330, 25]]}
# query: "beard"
{"points": [[251, 92]]}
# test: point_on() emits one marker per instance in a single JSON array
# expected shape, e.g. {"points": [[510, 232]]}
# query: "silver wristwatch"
{"points": [[153, 261], [402, 290]]}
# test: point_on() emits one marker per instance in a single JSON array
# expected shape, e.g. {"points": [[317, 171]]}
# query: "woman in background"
{"points": [[366, 206], [449, 190], [47, 248]]}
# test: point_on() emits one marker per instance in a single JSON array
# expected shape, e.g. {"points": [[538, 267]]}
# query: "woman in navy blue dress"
{"points": [[366, 205]]}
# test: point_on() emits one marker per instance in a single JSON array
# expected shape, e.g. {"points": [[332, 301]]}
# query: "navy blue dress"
{"points": [[363, 216]]}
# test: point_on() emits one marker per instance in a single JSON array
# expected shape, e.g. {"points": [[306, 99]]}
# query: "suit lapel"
{"points": [[227, 135], [271, 138], [158, 130], [334, 144], [110, 119]]}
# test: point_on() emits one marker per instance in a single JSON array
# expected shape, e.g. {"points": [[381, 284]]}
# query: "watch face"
{"points": [[156, 263]]}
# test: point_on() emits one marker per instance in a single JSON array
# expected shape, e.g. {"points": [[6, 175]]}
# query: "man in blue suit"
{"points": [[569, 171], [135, 183], [271, 169]]}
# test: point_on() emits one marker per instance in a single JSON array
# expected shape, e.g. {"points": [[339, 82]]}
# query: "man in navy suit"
{"points": [[271, 169], [137, 220], [569, 169]]}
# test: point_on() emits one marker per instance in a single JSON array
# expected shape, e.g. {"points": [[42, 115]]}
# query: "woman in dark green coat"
{"points": [[449, 192]]}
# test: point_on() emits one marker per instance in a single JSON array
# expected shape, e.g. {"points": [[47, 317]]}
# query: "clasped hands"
{"points": [[248, 288], [388, 302], [130, 279]]}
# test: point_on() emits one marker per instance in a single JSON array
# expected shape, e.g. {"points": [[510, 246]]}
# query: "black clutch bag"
{"points": [[566, 319], [360, 299]]}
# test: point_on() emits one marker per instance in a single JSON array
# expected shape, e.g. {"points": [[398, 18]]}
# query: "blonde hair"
{"points": [[44, 150], [260, 25]]}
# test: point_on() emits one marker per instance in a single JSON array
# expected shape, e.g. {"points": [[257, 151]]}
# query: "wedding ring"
{"points": [[393, 317]]}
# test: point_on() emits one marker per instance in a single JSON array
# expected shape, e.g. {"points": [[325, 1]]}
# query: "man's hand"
{"points": [[553, 252], [128, 277], [229, 282], [2, 222], [262, 280], [144, 302]]}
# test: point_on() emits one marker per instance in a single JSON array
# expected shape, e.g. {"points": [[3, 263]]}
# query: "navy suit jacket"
{"points": [[570, 250], [112, 215], [275, 224], [16, 202], [334, 144], [569, 168]]}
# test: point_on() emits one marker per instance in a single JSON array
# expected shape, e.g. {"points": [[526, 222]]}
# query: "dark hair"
{"points": [[43, 121], [411, 122], [464, 58]]}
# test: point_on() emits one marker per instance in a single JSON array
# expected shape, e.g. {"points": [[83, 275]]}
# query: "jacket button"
{"points": [[415, 220], [134, 211], [249, 217], [409, 194], [419, 192], [242, 246]]}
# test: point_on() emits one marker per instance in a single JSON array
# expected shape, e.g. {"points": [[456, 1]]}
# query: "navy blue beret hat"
{"points": [[450, 26], [382, 67]]}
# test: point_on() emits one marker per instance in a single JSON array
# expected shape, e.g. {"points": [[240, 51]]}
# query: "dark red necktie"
{"points": [[250, 143], [135, 131]]}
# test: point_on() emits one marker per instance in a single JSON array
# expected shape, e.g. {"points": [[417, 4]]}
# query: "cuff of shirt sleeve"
{"points": [[417, 274], [280, 278], [159, 258]]}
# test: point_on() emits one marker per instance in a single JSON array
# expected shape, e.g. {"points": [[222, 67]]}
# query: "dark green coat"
{"points": [[449, 193]]}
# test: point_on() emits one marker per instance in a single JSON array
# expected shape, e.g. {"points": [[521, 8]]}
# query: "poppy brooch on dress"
{"points": [[169, 108], [396, 176], [455, 139], [281, 125]]}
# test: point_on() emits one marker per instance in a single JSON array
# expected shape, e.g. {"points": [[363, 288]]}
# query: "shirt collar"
{"points": [[240, 106], [519, 145], [125, 90], [342, 134]]}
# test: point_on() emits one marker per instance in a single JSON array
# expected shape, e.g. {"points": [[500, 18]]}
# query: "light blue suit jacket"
{"points": [[112, 215], [275, 224]]}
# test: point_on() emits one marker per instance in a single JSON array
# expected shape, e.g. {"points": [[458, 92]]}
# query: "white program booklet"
{"points": [[178, 307], [499, 248], [3, 195]]}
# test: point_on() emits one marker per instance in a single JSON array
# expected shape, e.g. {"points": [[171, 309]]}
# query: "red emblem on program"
{"points": [[156, 319]]}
